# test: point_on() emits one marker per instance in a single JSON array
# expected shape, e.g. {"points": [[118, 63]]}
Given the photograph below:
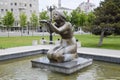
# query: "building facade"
{"points": [[62, 9], [86, 7], [19, 6]]}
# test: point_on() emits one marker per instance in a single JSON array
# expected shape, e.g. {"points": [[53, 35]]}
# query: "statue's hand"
{"points": [[45, 21], [48, 25]]}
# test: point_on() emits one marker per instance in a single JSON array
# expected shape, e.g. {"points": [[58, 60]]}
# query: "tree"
{"points": [[23, 21], [78, 19], [0, 22], [90, 18], [107, 17], [75, 19], [116, 23], [82, 20], [43, 15], [8, 20], [34, 21]]}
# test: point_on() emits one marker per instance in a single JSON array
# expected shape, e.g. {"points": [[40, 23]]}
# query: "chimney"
{"points": [[88, 1], [59, 3]]}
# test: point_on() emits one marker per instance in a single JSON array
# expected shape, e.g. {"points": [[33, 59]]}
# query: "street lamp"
{"points": [[50, 8], [28, 25]]}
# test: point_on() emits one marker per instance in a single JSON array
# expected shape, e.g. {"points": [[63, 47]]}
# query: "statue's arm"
{"points": [[61, 29], [48, 25]]}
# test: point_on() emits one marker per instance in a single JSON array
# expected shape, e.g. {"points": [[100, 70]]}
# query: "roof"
{"points": [[64, 8]]}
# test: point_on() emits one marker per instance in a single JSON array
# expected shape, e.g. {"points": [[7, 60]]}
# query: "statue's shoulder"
{"points": [[68, 24]]}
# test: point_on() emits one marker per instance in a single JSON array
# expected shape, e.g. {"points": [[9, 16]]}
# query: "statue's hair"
{"points": [[61, 14]]}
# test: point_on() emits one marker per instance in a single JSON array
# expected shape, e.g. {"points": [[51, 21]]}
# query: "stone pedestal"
{"points": [[34, 42], [65, 67]]}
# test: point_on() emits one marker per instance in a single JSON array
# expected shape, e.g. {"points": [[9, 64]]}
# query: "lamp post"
{"points": [[28, 25], [51, 8]]}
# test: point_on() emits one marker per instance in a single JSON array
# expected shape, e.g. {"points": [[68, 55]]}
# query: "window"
{"points": [[11, 9], [11, 4], [2, 10], [6, 9], [30, 11], [20, 4], [25, 4], [15, 4], [30, 5]]}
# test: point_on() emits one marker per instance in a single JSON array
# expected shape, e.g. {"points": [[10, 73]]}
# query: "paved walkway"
{"points": [[16, 50], [100, 52], [83, 50]]}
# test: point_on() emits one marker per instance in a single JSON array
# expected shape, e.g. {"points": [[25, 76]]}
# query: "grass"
{"points": [[7, 42], [111, 42]]}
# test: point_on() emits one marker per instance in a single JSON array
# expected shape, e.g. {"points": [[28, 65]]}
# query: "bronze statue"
{"points": [[67, 49]]}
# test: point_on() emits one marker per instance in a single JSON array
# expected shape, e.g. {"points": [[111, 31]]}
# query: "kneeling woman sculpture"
{"points": [[67, 49]]}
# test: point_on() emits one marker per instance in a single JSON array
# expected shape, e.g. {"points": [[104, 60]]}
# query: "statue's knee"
{"points": [[59, 58], [49, 55], [54, 55]]}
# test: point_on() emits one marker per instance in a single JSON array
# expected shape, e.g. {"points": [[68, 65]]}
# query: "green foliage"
{"points": [[97, 31], [80, 19], [108, 14], [0, 20], [0, 23], [75, 18], [8, 19], [34, 20], [117, 29], [90, 17], [23, 19], [43, 15], [107, 17]]}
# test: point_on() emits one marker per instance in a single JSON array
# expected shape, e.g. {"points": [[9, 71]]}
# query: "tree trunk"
{"points": [[101, 39], [21, 31], [8, 31], [32, 31]]}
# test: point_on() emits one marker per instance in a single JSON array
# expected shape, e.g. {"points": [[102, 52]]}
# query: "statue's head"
{"points": [[57, 15]]}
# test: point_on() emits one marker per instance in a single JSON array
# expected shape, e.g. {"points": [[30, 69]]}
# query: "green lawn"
{"points": [[111, 42]]}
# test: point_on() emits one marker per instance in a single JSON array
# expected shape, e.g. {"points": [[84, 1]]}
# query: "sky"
{"points": [[72, 4]]}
